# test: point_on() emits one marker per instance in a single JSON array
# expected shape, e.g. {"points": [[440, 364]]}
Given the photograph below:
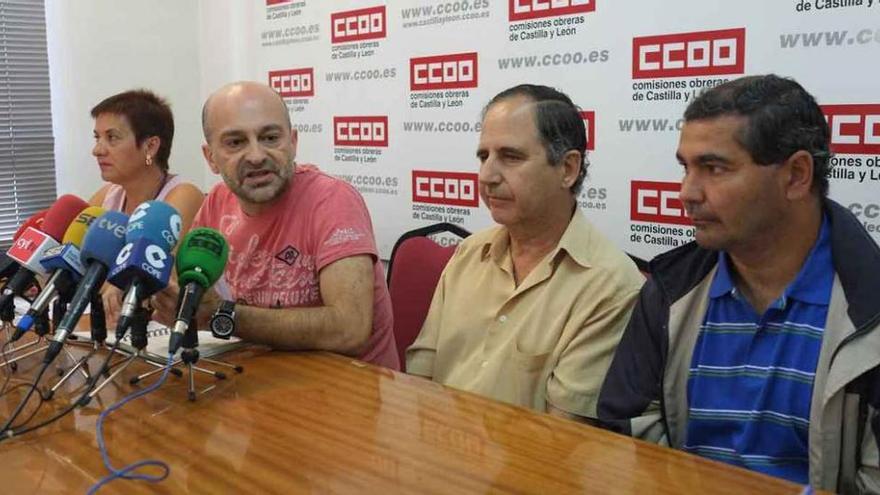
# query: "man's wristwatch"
{"points": [[223, 322]]}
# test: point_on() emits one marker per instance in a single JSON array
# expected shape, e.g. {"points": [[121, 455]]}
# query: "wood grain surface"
{"points": [[321, 423]]}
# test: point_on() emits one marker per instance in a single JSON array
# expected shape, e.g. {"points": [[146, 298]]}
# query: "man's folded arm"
{"points": [[343, 324]]}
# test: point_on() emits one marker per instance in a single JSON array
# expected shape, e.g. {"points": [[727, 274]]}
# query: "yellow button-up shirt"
{"points": [[548, 340]]}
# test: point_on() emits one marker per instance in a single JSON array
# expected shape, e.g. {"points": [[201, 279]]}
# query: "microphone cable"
{"points": [[27, 397], [126, 472], [7, 368], [90, 385]]}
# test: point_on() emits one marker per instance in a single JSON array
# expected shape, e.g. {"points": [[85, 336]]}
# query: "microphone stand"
{"points": [[98, 325], [138, 332], [41, 328], [189, 355]]}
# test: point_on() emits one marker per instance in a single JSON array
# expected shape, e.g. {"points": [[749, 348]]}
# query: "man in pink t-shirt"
{"points": [[303, 270]]}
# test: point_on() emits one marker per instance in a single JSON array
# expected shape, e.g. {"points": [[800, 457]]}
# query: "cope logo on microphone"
{"points": [[589, 117], [361, 131], [705, 53], [855, 129], [453, 71], [358, 25], [445, 188], [520, 10], [155, 256], [293, 83], [657, 202]]}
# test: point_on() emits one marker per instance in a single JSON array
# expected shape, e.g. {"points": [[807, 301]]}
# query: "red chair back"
{"points": [[415, 269]]}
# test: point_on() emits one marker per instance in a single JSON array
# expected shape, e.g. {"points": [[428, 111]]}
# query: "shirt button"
{"points": [[502, 318]]}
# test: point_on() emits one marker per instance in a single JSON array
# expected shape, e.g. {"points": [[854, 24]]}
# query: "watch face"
{"points": [[222, 325]]}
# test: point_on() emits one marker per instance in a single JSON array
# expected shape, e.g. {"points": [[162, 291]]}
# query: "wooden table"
{"points": [[321, 423]]}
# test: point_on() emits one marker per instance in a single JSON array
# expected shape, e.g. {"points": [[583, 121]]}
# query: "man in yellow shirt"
{"points": [[529, 312]]}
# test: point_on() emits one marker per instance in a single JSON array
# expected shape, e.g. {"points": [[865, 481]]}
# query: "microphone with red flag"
{"points": [[32, 244], [9, 266]]}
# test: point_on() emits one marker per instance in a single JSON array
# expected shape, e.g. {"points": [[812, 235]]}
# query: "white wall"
{"points": [[225, 29], [101, 47]]}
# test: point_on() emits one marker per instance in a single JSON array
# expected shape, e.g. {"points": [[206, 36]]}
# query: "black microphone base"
{"points": [[53, 351], [17, 334], [174, 342]]}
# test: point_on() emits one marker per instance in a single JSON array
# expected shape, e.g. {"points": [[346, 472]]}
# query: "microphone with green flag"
{"points": [[201, 259]]}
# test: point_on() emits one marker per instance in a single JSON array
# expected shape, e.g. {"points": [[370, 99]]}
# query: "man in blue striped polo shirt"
{"points": [[751, 375], [759, 343]]}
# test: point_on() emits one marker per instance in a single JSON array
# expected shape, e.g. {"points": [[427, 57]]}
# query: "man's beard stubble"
{"points": [[264, 193]]}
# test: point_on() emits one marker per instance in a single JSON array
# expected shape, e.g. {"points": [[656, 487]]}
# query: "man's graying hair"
{"points": [[559, 123]]}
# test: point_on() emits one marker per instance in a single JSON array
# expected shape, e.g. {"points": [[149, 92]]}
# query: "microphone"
{"points": [[144, 265], [200, 262], [67, 266], [9, 266], [32, 244], [102, 243]]}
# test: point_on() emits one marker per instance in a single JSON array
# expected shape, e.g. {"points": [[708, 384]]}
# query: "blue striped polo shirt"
{"points": [[751, 376]]}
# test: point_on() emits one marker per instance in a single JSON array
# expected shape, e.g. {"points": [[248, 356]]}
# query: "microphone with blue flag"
{"points": [[66, 266], [103, 242], [143, 266]]}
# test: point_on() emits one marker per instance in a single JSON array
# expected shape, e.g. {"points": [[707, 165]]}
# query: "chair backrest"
{"points": [[413, 272]]}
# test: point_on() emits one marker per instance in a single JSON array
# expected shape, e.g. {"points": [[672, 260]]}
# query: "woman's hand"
{"points": [[112, 298]]}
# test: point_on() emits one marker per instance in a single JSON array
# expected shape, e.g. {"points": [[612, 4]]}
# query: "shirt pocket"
{"points": [[528, 361]]}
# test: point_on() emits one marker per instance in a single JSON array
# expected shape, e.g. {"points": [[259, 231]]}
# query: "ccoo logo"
{"points": [[293, 83], [855, 129], [705, 53], [452, 71], [657, 202], [445, 188], [360, 131], [520, 10], [358, 25]]}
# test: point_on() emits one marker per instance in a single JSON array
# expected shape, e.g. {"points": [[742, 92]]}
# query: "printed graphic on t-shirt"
{"points": [[265, 279], [288, 255], [341, 236]]}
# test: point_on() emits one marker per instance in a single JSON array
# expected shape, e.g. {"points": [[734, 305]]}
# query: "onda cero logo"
{"points": [[445, 188], [657, 202], [705, 53], [358, 25], [458, 70], [855, 129], [293, 83], [520, 10], [360, 131]]}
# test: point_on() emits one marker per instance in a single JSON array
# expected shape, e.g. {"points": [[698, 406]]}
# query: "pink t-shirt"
{"points": [[275, 257]]}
